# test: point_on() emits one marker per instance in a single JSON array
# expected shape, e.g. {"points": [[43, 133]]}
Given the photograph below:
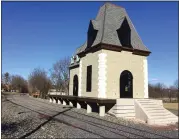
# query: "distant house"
{"points": [[5, 87]]}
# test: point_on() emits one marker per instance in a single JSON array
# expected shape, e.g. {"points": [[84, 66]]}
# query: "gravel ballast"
{"points": [[24, 116]]}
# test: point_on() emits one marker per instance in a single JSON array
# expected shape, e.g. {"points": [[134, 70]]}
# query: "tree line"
{"points": [[38, 80], [161, 91]]}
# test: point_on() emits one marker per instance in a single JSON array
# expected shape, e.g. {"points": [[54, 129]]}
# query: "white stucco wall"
{"points": [[107, 67], [117, 62]]}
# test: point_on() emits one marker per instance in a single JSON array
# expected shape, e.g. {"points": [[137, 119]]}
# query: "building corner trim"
{"points": [[145, 69], [102, 70], [80, 78]]}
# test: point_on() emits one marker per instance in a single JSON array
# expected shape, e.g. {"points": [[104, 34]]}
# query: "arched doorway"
{"points": [[75, 85], [126, 84]]}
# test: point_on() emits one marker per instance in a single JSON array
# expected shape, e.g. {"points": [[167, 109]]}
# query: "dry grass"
{"points": [[173, 106]]}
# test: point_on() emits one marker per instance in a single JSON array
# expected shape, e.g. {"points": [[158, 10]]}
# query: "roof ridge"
{"points": [[103, 23]]}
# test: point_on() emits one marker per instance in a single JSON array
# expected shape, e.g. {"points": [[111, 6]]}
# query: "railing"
{"points": [[56, 93]]}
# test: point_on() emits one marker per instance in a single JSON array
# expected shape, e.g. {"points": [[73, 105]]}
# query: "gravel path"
{"points": [[24, 116]]}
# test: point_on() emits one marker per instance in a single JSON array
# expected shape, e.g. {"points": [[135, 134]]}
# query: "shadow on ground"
{"points": [[9, 128]]}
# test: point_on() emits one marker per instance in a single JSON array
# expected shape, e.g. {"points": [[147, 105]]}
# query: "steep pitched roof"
{"points": [[106, 29]]}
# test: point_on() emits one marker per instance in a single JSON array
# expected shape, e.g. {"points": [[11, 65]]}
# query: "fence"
{"points": [[57, 93]]}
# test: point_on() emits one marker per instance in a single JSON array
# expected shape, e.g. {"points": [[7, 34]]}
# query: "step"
{"points": [[157, 102], [124, 108], [159, 114], [123, 105], [156, 111], [146, 101], [127, 105], [161, 121], [145, 104], [142, 100], [124, 111], [150, 109], [149, 104], [162, 117], [125, 101], [125, 114], [174, 119]]}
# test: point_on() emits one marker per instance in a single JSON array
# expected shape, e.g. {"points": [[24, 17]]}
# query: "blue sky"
{"points": [[37, 34]]}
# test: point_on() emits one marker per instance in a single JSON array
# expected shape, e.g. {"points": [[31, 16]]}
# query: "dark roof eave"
{"points": [[72, 66], [114, 48]]}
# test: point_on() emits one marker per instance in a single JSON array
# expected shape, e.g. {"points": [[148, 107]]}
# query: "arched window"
{"points": [[126, 84]]}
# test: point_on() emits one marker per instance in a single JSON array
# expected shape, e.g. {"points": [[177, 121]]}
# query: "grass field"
{"points": [[172, 106]]}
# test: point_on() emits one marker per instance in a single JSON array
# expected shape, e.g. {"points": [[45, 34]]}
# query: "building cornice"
{"points": [[73, 66], [117, 48]]}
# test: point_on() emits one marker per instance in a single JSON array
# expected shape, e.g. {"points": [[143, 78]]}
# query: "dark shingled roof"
{"points": [[104, 29]]}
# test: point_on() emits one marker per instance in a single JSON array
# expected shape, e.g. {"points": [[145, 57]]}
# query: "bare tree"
{"points": [[176, 84], [176, 89], [170, 91], [19, 83], [60, 74], [159, 88], [38, 80], [31, 89], [6, 79], [152, 92]]}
